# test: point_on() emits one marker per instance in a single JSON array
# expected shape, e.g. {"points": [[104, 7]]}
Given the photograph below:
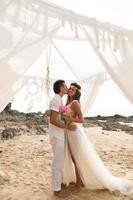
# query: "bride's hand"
{"points": [[71, 127], [67, 118]]}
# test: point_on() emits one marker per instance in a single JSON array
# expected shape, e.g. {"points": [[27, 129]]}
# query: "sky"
{"points": [[110, 100]]}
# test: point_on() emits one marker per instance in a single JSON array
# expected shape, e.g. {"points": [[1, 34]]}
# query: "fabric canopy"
{"points": [[38, 30]]}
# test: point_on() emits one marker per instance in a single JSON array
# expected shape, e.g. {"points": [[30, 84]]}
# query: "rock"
{"points": [[8, 133], [3, 177], [111, 123], [116, 193]]}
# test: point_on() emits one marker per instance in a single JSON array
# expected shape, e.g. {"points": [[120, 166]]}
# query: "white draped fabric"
{"points": [[94, 174], [26, 30]]}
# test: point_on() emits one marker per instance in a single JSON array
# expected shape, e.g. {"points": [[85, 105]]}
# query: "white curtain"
{"points": [[26, 29], [115, 50]]}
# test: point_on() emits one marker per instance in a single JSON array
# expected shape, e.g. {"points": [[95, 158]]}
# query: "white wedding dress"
{"points": [[93, 172]]}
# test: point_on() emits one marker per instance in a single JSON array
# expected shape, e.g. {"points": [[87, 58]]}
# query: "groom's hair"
{"points": [[57, 85]]}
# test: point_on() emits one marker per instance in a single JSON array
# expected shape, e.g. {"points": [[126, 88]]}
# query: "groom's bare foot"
{"points": [[61, 194], [63, 186]]}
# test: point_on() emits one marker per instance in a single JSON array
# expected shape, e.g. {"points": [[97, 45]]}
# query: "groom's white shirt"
{"points": [[55, 131]]}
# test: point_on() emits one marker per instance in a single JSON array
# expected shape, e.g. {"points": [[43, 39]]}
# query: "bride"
{"points": [[82, 163]]}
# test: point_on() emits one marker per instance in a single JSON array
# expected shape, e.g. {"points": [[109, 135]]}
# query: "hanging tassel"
{"points": [[71, 25], [25, 16], [48, 56], [45, 27], [36, 24], [116, 42], [103, 40], [109, 40], [123, 48], [17, 13], [97, 37], [63, 21], [76, 31]]}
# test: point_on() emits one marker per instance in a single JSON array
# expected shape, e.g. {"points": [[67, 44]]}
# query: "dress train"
{"points": [[93, 172]]}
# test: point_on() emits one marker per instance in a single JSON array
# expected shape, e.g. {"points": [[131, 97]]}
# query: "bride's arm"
{"points": [[54, 121], [78, 115]]}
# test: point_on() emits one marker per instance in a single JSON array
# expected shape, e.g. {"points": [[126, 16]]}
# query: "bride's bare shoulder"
{"points": [[75, 103]]}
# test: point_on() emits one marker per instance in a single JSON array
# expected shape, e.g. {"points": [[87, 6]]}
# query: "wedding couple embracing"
{"points": [[74, 157]]}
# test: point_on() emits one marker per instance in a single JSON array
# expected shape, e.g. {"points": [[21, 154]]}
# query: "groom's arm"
{"points": [[54, 121]]}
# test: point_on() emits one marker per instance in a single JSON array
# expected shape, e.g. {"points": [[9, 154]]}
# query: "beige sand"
{"points": [[27, 159]]}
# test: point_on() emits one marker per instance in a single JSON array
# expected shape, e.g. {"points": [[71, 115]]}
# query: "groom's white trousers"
{"points": [[57, 142]]}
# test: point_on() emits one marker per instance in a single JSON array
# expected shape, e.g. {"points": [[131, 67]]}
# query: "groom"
{"points": [[56, 131]]}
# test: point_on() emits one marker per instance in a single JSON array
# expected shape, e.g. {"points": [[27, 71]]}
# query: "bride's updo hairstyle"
{"points": [[77, 94]]}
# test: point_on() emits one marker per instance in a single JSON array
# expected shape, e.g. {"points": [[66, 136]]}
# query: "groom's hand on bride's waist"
{"points": [[71, 127]]}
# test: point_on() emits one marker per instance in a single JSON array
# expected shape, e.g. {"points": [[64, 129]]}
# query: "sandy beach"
{"points": [[26, 160]]}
